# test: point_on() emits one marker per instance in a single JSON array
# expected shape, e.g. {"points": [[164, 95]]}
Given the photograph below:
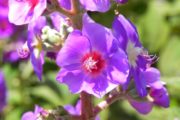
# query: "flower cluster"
{"points": [[93, 58]]}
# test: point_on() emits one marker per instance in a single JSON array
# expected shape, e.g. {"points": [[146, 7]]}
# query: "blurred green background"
{"points": [[158, 23]]}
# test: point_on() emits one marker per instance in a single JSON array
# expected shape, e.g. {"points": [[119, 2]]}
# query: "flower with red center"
{"points": [[88, 62], [25, 11], [93, 63]]}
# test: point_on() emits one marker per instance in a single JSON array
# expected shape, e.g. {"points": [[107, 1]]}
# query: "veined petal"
{"points": [[130, 29], [143, 107], [73, 79], [160, 97], [37, 63], [73, 50], [152, 78], [37, 25], [140, 83], [100, 86], [118, 67], [102, 39], [96, 5]]}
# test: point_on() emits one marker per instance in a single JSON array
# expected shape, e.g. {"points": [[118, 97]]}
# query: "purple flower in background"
{"points": [[38, 114], [128, 40], [88, 63], [10, 56], [23, 51], [158, 94], [2, 92], [14, 51], [35, 45], [25, 11], [76, 110]]}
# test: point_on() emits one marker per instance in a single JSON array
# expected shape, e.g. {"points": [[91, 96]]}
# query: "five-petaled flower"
{"points": [[88, 61]]}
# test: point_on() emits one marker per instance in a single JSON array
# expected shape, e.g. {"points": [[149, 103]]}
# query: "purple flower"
{"points": [[35, 45], [10, 56], [14, 51], [128, 40], [158, 94], [23, 51], [3, 93], [88, 63], [76, 110], [38, 113], [25, 11]]}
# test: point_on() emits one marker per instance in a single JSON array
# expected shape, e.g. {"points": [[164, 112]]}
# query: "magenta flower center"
{"points": [[32, 3], [93, 62]]}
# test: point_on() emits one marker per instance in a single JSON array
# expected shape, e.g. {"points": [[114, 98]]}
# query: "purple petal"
{"points": [[37, 63], [73, 50], [3, 93], [152, 78], [73, 79], [37, 25], [96, 5], [71, 110], [160, 97], [118, 67], [10, 56], [57, 20], [37, 109], [36, 55], [102, 39], [6, 28], [120, 33], [143, 107], [131, 31], [29, 116], [23, 12], [65, 4], [100, 86], [140, 82], [78, 107]]}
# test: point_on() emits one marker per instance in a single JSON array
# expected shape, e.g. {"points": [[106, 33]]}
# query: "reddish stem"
{"points": [[86, 106]]}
